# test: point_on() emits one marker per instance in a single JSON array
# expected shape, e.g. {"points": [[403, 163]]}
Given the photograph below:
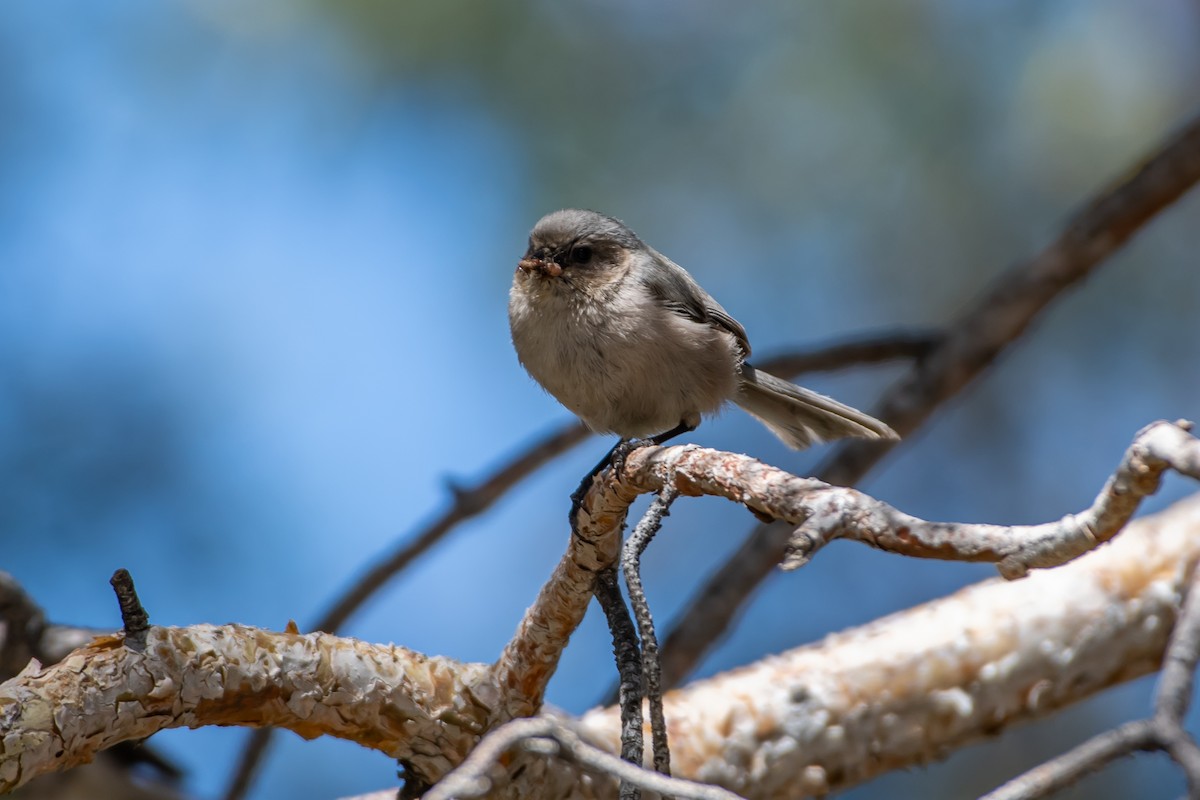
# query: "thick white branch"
{"points": [[914, 686], [427, 711]]}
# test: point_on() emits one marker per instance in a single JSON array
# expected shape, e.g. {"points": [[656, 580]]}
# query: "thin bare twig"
{"points": [[1003, 312], [629, 672], [872, 348], [1069, 768], [473, 778], [631, 565]]}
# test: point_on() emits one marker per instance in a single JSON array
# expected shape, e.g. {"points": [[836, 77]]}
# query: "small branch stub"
{"points": [[134, 618]]}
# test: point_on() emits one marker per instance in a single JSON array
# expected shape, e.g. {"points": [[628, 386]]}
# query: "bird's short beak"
{"points": [[543, 265]]}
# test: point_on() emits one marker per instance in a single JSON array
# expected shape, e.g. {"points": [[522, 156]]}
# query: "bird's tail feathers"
{"points": [[800, 417]]}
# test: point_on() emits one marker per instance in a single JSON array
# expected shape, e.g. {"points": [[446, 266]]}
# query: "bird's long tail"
{"points": [[800, 417]]}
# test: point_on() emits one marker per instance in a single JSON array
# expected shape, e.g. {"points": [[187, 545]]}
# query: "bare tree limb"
{"points": [[872, 348], [1015, 549], [810, 721], [388, 698], [529, 659], [823, 512], [1001, 314]]}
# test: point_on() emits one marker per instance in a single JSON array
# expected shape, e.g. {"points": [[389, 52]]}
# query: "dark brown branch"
{"points": [[134, 618], [1000, 315], [468, 503], [629, 672], [873, 348], [631, 565]]}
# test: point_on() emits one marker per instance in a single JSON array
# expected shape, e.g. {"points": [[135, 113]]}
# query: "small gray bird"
{"points": [[626, 338]]}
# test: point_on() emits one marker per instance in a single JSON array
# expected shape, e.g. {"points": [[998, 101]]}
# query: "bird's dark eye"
{"points": [[581, 254]]}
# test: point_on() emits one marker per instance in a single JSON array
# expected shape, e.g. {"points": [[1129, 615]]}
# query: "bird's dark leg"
{"points": [[666, 436], [617, 455], [577, 495]]}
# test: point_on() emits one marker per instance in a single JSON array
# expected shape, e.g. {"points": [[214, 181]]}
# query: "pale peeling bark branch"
{"points": [[427, 712], [949, 668], [530, 658], [901, 691], [1015, 549], [822, 512]]}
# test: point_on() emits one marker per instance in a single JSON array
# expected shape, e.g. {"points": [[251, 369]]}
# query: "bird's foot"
{"points": [[615, 458]]}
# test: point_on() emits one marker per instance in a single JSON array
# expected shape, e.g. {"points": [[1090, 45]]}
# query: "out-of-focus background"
{"points": [[254, 260]]}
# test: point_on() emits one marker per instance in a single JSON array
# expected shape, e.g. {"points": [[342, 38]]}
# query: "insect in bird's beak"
{"points": [[546, 266]]}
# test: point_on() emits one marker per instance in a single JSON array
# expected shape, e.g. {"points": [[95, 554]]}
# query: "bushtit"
{"points": [[626, 338]]}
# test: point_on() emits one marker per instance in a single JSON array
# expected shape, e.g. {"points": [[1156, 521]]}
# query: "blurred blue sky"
{"points": [[254, 262]]}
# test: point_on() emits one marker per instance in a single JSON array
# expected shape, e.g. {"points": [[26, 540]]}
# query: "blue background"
{"points": [[254, 261]]}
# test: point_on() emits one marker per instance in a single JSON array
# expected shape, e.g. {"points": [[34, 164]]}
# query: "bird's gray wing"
{"points": [[674, 289]]}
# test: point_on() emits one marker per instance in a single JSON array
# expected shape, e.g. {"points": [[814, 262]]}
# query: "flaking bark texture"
{"points": [[425, 711], [895, 693]]}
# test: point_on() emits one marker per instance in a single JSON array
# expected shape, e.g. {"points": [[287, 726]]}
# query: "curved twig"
{"points": [[822, 512], [631, 565], [472, 778], [629, 672]]}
